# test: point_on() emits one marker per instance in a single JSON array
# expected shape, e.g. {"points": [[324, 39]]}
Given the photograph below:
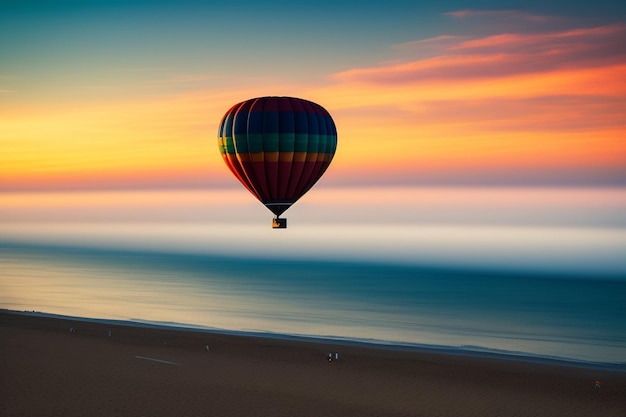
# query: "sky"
{"points": [[477, 136], [128, 95]]}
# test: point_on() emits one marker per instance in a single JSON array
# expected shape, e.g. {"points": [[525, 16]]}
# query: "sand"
{"points": [[46, 370]]}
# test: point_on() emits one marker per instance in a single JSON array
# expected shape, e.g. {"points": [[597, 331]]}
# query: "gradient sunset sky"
{"points": [[129, 94]]}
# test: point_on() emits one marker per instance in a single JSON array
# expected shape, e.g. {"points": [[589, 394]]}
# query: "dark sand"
{"points": [[47, 371]]}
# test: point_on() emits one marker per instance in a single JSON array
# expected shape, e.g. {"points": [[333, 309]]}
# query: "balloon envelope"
{"points": [[278, 147]]}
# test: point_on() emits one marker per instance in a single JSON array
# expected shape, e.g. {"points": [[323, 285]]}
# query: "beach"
{"points": [[61, 366]]}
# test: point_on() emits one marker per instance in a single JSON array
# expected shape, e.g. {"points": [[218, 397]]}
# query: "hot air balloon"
{"points": [[278, 147]]}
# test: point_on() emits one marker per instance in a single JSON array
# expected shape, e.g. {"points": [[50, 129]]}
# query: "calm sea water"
{"points": [[547, 315]]}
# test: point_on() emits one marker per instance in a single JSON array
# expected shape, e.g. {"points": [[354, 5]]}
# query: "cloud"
{"points": [[533, 106], [500, 56], [572, 48]]}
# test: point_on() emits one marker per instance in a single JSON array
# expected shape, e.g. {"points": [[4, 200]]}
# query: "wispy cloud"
{"points": [[547, 102], [502, 55]]}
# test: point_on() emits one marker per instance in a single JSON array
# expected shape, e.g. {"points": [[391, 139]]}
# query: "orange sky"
{"points": [[546, 106]]}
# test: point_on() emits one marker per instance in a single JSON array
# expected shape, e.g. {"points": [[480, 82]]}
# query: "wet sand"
{"points": [[47, 370]]}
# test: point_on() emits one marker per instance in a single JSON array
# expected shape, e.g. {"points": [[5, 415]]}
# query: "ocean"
{"points": [[517, 288]]}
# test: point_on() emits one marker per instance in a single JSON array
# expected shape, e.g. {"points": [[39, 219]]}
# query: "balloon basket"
{"points": [[279, 223]]}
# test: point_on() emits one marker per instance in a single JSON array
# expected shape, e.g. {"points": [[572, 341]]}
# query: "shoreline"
{"points": [[478, 352], [59, 366]]}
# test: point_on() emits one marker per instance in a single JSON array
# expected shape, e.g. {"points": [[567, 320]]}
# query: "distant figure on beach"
{"points": [[336, 356], [330, 357], [206, 348], [72, 330], [110, 333], [597, 385]]}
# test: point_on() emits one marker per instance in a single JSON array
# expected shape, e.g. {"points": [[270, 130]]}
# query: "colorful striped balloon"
{"points": [[278, 147]]}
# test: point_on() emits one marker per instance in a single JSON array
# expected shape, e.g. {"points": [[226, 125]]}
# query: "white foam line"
{"points": [[156, 360]]}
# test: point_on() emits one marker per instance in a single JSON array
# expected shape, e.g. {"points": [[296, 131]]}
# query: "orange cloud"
{"points": [[543, 102]]}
